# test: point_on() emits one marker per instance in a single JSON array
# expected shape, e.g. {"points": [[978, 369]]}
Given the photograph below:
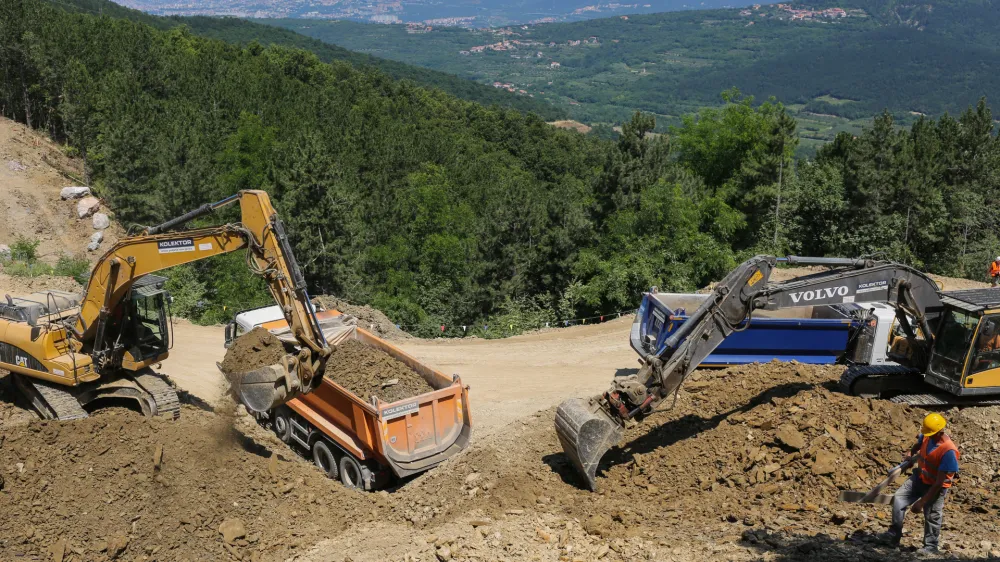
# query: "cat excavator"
{"points": [[67, 353], [946, 349]]}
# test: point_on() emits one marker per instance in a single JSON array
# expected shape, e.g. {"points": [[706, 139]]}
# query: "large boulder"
{"points": [[87, 206], [101, 221], [95, 241], [5, 252], [75, 192]]}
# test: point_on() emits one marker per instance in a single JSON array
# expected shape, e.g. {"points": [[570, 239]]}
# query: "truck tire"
{"points": [[352, 475], [283, 424], [324, 459]]}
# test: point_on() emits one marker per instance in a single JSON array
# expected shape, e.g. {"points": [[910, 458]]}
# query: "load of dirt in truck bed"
{"points": [[750, 460], [120, 486], [367, 371], [253, 350]]}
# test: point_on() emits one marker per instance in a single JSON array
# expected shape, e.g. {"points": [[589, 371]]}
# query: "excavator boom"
{"points": [[588, 429], [101, 330]]}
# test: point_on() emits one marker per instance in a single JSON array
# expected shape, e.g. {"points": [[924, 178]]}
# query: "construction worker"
{"points": [[995, 271], [936, 459]]}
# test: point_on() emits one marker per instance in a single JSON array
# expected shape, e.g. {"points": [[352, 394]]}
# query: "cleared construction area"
{"points": [[747, 465]]}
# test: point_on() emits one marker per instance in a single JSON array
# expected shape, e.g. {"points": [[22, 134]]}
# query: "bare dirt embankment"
{"points": [[33, 170]]}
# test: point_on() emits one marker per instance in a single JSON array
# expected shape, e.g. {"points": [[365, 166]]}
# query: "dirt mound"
{"points": [[572, 125], [99, 489], [367, 371], [759, 448], [956, 284], [253, 350], [369, 318]]}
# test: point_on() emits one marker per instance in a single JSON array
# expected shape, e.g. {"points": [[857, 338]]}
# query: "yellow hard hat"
{"points": [[933, 423]]}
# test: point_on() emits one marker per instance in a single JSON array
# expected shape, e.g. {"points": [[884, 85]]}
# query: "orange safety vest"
{"points": [[929, 464], [994, 269]]}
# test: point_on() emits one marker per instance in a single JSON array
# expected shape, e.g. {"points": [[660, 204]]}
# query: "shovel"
{"points": [[875, 495]]}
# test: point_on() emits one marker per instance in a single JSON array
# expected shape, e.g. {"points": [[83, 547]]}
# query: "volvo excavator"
{"points": [[947, 348], [66, 353]]}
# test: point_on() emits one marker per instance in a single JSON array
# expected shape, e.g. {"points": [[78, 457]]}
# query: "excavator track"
{"points": [[939, 400], [168, 404], [881, 381], [50, 401]]}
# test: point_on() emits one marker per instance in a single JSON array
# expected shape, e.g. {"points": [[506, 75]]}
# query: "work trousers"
{"points": [[908, 494]]}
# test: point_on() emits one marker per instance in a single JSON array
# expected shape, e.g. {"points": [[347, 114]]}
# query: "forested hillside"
{"points": [[244, 32], [444, 212], [829, 67]]}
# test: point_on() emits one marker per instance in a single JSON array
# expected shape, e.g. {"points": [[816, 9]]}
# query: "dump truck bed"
{"points": [[815, 340], [408, 436]]}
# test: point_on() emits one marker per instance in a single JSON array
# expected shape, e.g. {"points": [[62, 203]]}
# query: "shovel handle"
{"points": [[893, 474]]}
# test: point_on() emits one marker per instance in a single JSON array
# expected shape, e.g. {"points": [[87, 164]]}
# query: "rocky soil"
{"points": [[746, 466], [118, 486]]}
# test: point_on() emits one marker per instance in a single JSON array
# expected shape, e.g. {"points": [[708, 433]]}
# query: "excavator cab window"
{"points": [[953, 342], [987, 350], [149, 326]]}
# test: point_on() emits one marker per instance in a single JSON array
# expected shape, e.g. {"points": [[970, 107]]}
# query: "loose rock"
{"points": [[232, 529], [87, 206], [74, 192], [101, 221], [95, 240]]}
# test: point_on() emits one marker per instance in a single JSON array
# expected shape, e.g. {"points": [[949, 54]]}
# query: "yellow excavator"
{"points": [[67, 353]]}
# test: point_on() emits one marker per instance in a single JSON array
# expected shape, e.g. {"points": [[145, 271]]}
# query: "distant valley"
{"points": [[465, 13], [834, 64]]}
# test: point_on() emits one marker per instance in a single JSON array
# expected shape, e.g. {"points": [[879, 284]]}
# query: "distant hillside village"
{"points": [[782, 11]]}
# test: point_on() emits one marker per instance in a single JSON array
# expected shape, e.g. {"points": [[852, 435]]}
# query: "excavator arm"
{"points": [[269, 254], [588, 429]]}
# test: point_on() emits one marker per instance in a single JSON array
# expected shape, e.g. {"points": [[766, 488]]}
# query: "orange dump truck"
{"points": [[367, 445]]}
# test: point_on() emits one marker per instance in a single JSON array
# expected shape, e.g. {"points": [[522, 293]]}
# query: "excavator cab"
{"points": [[965, 360], [148, 323]]}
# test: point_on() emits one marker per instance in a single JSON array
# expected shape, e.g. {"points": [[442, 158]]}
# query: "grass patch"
{"points": [[23, 262]]}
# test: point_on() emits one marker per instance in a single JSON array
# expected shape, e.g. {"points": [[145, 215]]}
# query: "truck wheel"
{"points": [[283, 424], [324, 459], [351, 474]]}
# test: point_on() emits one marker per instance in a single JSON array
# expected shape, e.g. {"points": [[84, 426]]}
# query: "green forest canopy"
{"points": [[243, 32], [445, 212]]}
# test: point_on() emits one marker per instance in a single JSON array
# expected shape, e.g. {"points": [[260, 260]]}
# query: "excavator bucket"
{"points": [[586, 432], [266, 388]]}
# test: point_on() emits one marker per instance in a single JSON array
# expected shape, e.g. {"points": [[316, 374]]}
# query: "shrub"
{"points": [[24, 249], [78, 269]]}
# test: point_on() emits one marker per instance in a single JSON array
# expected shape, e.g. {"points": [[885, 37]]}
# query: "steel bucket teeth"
{"points": [[586, 433]]}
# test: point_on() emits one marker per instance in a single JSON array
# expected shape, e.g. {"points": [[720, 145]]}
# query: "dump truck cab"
{"points": [[965, 358], [267, 317]]}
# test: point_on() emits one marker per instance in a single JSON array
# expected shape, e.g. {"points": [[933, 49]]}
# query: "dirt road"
{"points": [[515, 377], [509, 378]]}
